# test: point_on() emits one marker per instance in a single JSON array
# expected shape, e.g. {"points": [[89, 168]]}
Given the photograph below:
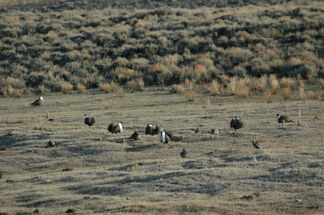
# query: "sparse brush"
{"points": [[287, 83], [268, 96], [189, 85], [190, 95], [120, 91], [301, 91], [81, 88], [232, 85], [135, 85], [225, 80], [214, 88], [274, 83], [286, 92], [243, 88], [108, 87], [66, 87], [262, 83], [177, 88], [321, 82], [208, 103]]}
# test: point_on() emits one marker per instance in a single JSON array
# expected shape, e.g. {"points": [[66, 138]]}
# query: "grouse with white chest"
{"points": [[38, 101], [164, 137], [115, 128], [236, 123], [89, 120], [283, 119]]}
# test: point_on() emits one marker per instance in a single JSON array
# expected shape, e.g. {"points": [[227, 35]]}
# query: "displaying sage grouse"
{"points": [[149, 130], [236, 123], [134, 136], [115, 128], [38, 101], [89, 120], [164, 137], [283, 119], [183, 153]]}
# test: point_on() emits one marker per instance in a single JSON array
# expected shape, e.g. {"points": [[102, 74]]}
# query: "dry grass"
{"points": [[287, 83], [243, 88], [108, 175], [120, 92], [268, 96], [108, 87], [301, 91], [262, 83], [274, 83], [190, 95], [231, 86], [286, 92], [321, 82], [66, 87], [214, 88], [136, 85], [81, 88]]}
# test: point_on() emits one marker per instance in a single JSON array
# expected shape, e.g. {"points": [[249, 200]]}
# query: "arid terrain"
{"points": [[92, 171]]}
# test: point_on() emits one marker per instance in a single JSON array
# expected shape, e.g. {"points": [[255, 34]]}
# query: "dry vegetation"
{"points": [[91, 171], [56, 45]]}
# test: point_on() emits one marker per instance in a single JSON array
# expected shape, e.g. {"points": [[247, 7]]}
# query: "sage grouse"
{"points": [[38, 101], [236, 123], [89, 120], [255, 144], [283, 119], [134, 136], [149, 130], [183, 153], [115, 128], [164, 137]]}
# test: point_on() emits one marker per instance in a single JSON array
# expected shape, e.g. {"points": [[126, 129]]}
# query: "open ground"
{"points": [[92, 171]]}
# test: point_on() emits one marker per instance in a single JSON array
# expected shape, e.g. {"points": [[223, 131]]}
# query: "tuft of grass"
{"points": [[301, 91], [321, 82], [120, 91], [108, 87], [243, 88], [262, 83], [232, 85], [268, 96], [286, 92], [136, 85], [81, 88], [274, 84], [190, 95], [287, 83], [66, 87], [214, 88]]}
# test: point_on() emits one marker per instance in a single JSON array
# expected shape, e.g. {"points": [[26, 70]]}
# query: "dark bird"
{"points": [[164, 137], [157, 129], [283, 119], [255, 144], [134, 136], [38, 101], [183, 153], [51, 143], [236, 123], [149, 129], [89, 120], [118, 128]]}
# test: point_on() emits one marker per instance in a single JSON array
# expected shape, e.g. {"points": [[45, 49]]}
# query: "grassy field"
{"points": [[92, 171]]}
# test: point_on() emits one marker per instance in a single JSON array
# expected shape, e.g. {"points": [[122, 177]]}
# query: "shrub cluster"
{"points": [[89, 45]]}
